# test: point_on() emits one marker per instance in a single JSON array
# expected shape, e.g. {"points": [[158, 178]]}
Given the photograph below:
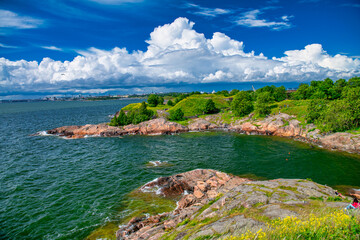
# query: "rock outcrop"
{"points": [[282, 125], [156, 127], [215, 203]]}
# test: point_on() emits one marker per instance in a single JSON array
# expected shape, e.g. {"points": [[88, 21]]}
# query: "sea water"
{"points": [[52, 188]]}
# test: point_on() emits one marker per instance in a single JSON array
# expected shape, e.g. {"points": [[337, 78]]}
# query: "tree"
{"points": [[114, 121], [242, 104], [303, 92], [315, 110], [139, 115], [210, 107], [233, 92], [176, 115], [262, 103], [354, 82], [170, 103], [280, 94], [122, 118], [160, 100], [153, 100]]}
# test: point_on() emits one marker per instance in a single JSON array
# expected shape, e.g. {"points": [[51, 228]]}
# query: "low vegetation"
{"points": [[334, 225], [317, 102]]}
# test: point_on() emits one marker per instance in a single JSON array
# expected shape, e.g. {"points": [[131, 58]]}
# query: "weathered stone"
{"points": [[198, 193], [224, 216], [271, 125], [275, 211]]}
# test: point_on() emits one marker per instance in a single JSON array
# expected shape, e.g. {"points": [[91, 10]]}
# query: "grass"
{"points": [[194, 105], [326, 223], [292, 107]]}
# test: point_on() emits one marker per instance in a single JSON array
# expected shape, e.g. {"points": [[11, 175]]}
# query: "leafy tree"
{"points": [[153, 100], [303, 92], [280, 94], [354, 82], [139, 115], [242, 104], [177, 115], [210, 107], [160, 100], [170, 103], [315, 109], [262, 106], [343, 121], [223, 92], [318, 95], [233, 92], [122, 118], [114, 121]]}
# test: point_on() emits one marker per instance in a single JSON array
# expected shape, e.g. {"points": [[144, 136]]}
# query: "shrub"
{"points": [[134, 116], [210, 107], [262, 106], [176, 115], [170, 103], [153, 100], [242, 104]]}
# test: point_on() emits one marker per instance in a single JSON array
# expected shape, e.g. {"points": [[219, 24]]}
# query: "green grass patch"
{"points": [[292, 107], [334, 199], [131, 106], [294, 189], [317, 198], [195, 104]]}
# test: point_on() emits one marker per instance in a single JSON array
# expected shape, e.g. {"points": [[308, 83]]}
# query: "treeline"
{"points": [[245, 102], [333, 106]]}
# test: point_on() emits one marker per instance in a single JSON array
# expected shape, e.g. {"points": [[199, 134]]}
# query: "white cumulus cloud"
{"points": [[176, 54]]}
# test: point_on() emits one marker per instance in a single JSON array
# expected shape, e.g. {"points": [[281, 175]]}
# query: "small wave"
{"points": [[90, 136], [154, 189], [43, 133], [158, 163]]}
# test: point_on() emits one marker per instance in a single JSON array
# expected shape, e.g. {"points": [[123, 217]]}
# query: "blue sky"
{"points": [[135, 46]]}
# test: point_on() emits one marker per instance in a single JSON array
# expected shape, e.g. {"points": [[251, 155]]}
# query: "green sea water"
{"points": [[52, 188]]}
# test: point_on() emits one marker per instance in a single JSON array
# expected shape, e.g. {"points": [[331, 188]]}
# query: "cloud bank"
{"points": [[176, 54]]}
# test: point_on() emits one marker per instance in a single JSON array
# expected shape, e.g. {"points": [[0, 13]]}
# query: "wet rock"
{"points": [[282, 125], [218, 202]]}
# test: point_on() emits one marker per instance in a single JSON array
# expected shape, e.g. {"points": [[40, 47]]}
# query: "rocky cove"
{"points": [[282, 125], [212, 204]]}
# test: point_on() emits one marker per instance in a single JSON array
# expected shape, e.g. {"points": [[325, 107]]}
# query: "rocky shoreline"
{"points": [[213, 203], [282, 125]]}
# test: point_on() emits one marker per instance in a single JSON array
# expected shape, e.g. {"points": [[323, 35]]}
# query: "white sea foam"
{"points": [[157, 163], [43, 133]]}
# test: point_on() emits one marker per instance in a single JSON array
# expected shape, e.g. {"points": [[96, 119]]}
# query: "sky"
{"points": [[98, 47]]}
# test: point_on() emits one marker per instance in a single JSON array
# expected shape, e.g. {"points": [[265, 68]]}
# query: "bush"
{"points": [[337, 115], [176, 115], [210, 107], [242, 104], [134, 116], [262, 106], [153, 100], [170, 103]]}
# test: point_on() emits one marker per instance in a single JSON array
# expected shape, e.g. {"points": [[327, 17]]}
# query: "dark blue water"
{"points": [[52, 188]]}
